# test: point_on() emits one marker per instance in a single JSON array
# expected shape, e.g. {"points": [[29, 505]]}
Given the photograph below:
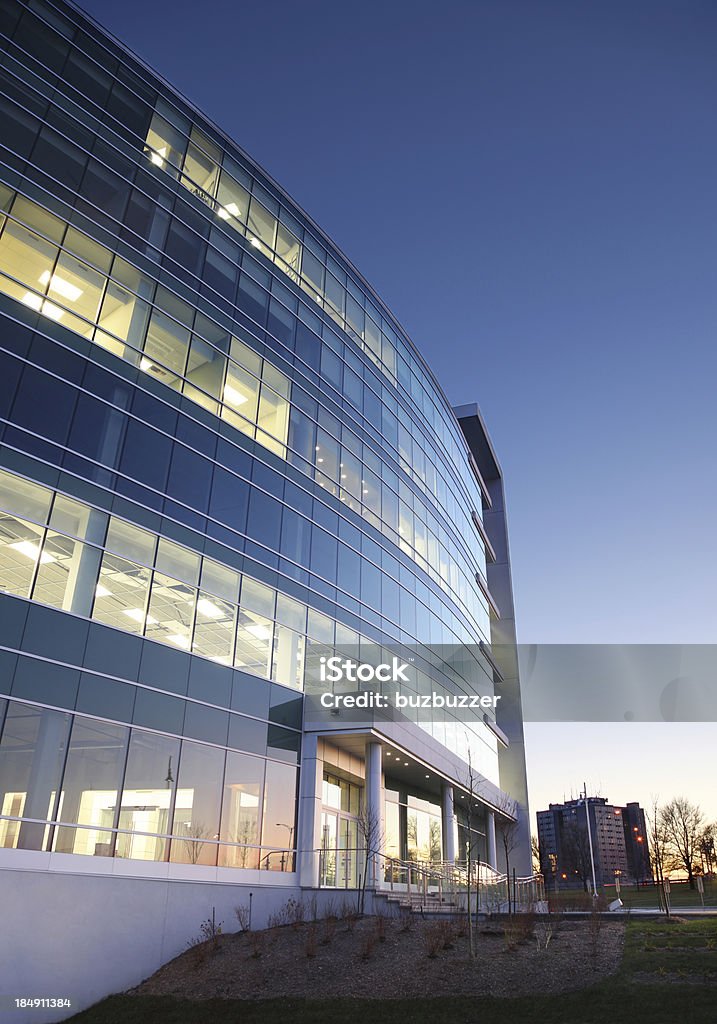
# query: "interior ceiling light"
{"points": [[179, 640], [30, 550], [138, 616], [255, 242], [61, 286], [208, 609], [41, 305], [259, 631], [157, 156], [232, 395], [230, 210], [146, 364], [101, 591]]}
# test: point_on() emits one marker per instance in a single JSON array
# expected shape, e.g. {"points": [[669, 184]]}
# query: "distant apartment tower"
{"points": [[619, 843]]}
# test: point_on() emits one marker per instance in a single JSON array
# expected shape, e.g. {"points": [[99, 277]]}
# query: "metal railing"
{"points": [[430, 884]]}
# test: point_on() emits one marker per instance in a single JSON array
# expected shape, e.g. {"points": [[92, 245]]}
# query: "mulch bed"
{"points": [[350, 959]]}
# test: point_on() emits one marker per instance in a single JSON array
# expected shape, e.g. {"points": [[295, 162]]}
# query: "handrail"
{"points": [[430, 883]]}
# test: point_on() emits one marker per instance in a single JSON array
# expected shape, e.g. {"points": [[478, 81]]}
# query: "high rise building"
{"points": [[221, 458], [619, 844]]}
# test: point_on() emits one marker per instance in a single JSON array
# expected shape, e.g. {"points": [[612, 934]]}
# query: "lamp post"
{"points": [[590, 839], [282, 824]]}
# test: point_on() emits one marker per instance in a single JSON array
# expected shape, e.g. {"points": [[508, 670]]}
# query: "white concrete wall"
{"points": [[91, 928]]}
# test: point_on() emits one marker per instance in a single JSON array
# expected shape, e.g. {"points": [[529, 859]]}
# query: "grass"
{"points": [[644, 898], [641, 991]]}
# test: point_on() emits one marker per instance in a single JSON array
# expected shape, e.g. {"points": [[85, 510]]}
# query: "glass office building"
{"points": [[219, 456]]}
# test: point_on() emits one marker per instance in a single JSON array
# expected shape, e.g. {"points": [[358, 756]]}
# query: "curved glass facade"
{"points": [[218, 451]]}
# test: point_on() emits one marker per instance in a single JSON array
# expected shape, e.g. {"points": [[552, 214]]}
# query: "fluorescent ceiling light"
{"points": [[146, 364], [37, 303], [61, 286], [157, 156], [255, 242], [138, 616], [208, 609], [30, 550], [179, 640], [259, 631], [101, 591], [232, 395], [230, 210]]}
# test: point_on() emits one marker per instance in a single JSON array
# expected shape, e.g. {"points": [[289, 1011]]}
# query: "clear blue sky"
{"points": [[530, 186]]}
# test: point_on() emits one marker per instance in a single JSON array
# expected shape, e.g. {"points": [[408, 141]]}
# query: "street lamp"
{"points": [[282, 824], [590, 837]]}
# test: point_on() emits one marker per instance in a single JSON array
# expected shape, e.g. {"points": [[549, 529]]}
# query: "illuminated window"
{"points": [[201, 167], [165, 145], [21, 540], [146, 798], [90, 787], [232, 201], [123, 586], [261, 227]]}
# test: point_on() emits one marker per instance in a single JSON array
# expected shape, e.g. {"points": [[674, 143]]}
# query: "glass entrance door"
{"points": [[341, 856]]}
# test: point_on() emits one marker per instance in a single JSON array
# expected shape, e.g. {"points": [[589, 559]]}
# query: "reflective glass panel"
{"points": [[32, 751], [197, 804], [241, 808], [90, 787], [147, 796]]}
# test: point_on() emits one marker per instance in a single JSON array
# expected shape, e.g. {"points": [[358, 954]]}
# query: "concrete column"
{"points": [[492, 848], [308, 841], [448, 826], [374, 817], [85, 566], [47, 762]]}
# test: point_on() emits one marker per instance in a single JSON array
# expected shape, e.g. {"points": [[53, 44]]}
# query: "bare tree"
{"points": [[708, 848], [368, 824], [507, 825], [194, 834], [472, 782], [659, 847], [575, 847], [683, 823]]}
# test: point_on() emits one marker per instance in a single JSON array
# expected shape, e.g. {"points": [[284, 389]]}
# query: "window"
{"points": [[273, 418], [123, 587], [201, 167], [232, 201], [255, 628], [90, 787], [165, 349], [279, 817], [261, 227], [241, 388], [289, 641], [165, 145], [197, 805], [20, 540], [241, 809], [32, 750], [147, 796], [30, 259]]}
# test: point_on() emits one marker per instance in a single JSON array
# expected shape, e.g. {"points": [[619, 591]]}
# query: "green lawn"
{"points": [[669, 973], [644, 898]]}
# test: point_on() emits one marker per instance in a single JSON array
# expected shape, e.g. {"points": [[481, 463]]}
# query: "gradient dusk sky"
{"points": [[530, 186]]}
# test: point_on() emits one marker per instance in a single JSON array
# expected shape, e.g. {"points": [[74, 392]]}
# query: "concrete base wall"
{"points": [[84, 935]]}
